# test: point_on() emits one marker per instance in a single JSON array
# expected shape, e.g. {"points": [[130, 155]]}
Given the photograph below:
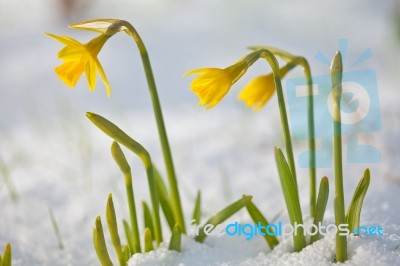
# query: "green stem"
{"points": [[336, 75], [266, 54], [311, 137], [176, 202], [120, 159], [155, 204], [298, 60]]}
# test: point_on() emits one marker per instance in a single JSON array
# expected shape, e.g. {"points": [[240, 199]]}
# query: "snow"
{"points": [[57, 159]]}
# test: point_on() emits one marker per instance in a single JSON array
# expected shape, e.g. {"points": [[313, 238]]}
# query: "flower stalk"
{"points": [[299, 60], [340, 218], [107, 28], [172, 180]]}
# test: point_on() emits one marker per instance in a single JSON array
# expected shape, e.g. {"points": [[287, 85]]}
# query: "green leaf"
{"points": [[354, 210], [291, 195], [7, 255], [56, 229], [164, 199], [258, 218], [127, 253], [148, 240], [113, 228], [128, 235], [120, 136], [223, 215], [148, 220], [100, 244], [197, 209], [322, 201], [175, 242], [120, 158]]}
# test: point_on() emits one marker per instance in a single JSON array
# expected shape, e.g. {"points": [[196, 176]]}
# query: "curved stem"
{"points": [[311, 136], [176, 202], [266, 54], [298, 60]]}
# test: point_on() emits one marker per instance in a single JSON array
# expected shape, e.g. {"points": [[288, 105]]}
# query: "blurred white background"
{"points": [[57, 158]]}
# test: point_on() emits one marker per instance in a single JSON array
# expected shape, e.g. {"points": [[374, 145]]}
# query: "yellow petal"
{"points": [[90, 70], [70, 72], [258, 91], [200, 71], [103, 77], [64, 39], [72, 52]]}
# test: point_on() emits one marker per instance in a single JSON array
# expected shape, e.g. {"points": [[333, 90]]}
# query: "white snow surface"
{"points": [[54, 158]]}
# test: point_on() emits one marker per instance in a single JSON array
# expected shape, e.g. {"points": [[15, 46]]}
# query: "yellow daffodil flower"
{"points": [[214, 83], [259, 90], [79, 58]]}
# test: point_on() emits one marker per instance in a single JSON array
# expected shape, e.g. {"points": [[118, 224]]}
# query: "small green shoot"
{"points": [[7, 255], [56, 229], [354, 210], [129, 236], [148, 240], [322, 201], [259, 218], [175, 242], [148, 220], [221, 216], [5, 172], [113, 228], [100, 244], [292, 200], [127, 253], [197, 209]]}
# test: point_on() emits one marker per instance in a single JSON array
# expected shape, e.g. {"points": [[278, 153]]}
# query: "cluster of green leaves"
{"points": [[5, 260], [160, 197], [287, 171]]}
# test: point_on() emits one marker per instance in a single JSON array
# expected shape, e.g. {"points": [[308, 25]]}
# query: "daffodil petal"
{"points": [[72, 53], [63, 39], [258, 91], [70, 72], [103, 77], [200, 71], [90, 70]]}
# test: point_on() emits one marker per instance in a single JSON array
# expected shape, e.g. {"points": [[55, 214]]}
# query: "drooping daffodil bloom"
{"points": [[79, 58], [259, 90], [214, 83]]}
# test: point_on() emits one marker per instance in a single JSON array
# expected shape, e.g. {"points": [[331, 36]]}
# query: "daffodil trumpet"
{"points": [[79, 58]]}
